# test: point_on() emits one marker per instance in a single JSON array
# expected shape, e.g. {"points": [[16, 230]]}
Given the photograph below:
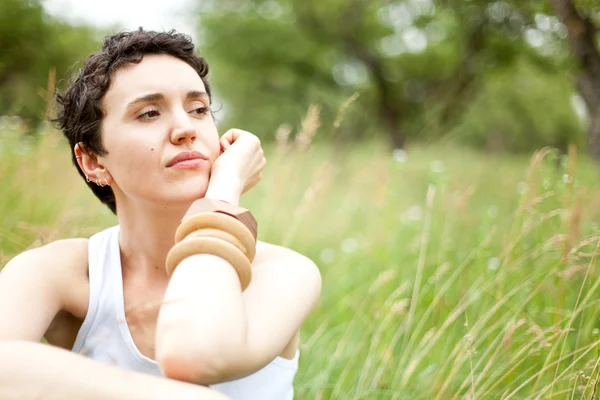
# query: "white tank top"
{"points": [[105, 336]]}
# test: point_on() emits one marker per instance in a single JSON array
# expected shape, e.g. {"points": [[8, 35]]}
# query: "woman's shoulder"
{"points": [[64, 259], [61, 264], [266, 251], [58, 254], [263, 248]]}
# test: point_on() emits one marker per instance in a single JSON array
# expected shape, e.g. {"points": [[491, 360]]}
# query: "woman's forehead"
{"points": [[154, 74]]}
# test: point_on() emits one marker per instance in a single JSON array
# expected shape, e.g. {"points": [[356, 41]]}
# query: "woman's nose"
{"points": [[183, 130]]}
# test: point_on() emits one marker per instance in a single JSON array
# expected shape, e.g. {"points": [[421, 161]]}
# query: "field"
{"points": [[447, 273]]}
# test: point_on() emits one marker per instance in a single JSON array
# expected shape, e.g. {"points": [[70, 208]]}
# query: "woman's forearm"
{"points": [[202, 329], [38, 371], [202, 326]]}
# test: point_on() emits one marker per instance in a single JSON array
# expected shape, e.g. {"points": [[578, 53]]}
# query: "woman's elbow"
{"points": [[191, 358]]}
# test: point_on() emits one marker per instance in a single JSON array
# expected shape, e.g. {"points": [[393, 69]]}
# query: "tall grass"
{"points": [[447, 274]]}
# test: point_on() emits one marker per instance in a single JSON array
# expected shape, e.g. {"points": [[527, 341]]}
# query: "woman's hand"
{"points": [[239, 167]]}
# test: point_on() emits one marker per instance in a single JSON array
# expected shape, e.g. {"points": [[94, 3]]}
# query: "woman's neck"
{"points": [[147, 233]]}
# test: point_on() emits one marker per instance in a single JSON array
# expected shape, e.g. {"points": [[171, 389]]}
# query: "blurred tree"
{"points": [[582, 20], [35, 47], [417, 64]]}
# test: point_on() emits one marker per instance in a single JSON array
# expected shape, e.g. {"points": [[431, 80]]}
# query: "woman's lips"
{"points": [[187, 159], [194, 163]]}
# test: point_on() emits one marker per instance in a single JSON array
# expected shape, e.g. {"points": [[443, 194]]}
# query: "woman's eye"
{"points": [[149, 115], [200, 110]]}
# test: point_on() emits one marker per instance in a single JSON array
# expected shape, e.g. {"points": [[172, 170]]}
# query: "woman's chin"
{"points": [[192, 189], [190, 196]]}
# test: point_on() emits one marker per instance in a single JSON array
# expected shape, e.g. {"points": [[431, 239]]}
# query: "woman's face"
{"points": [[154, 111]]}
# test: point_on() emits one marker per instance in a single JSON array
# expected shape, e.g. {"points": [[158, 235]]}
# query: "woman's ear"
{"points": [[90, 165]]}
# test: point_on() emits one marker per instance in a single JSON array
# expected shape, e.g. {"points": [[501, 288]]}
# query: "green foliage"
{"points": [[518, 110], [418, 66], [33, 45], [266, 70]]}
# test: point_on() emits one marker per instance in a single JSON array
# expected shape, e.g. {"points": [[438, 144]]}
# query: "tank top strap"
{"points": [[98, 269]]}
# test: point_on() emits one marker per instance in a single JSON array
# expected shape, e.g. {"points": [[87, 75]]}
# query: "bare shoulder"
{"points": [[62, 263], [268, 251], [64, 254], [38, 284], [295, 263]]}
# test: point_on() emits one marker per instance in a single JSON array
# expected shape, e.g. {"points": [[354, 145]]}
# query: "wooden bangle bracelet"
{"points": [[219, 206], [215, 220], [216, 247], [219, 234]]}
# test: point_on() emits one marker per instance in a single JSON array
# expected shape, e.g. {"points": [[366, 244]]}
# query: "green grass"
{"points": [[454, 274]]}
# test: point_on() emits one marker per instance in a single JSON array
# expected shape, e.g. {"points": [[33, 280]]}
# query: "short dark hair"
{"points": [[80, 112]]}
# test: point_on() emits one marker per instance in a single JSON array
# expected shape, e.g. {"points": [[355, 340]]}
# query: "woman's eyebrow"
{"points": [[145, 99], [197, 95]]}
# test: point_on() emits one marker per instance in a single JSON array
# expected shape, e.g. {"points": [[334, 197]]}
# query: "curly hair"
{"points": [[80, 112]]}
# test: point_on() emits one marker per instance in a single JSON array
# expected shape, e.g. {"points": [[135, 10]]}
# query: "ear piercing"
{"points": [[100, 182]]}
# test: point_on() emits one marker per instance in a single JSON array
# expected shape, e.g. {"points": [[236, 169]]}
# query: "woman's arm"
{"points": [[209, 332], [37, 371]]}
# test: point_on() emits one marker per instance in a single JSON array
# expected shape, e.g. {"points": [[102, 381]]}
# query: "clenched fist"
{"points": [[239, 167]]}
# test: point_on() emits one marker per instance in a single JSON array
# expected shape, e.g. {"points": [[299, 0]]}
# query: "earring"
{"points": [[106, 182], [78, 157], [97, 181], [87, 178]]}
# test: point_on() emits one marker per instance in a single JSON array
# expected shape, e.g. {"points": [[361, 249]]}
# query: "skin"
{"points": [[200, 327]]}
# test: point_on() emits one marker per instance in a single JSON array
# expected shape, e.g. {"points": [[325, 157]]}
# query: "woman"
{"points": [[138, 120]]}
